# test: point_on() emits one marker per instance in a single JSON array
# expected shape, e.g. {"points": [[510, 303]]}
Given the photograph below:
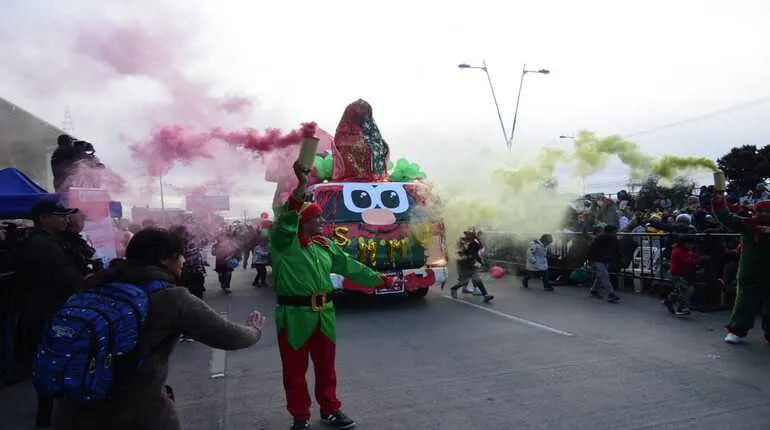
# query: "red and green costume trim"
{"points": [[753, 294], [301, 268]]}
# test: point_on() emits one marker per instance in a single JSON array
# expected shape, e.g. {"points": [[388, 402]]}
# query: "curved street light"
{"points": [[492, 88], [524, 71]]}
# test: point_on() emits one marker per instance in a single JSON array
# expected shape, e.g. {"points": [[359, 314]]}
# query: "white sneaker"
{"points": [[733, 339]]}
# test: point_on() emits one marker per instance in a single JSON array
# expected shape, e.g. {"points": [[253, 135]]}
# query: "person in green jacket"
{"points": [[303, 260], [753, 283]]}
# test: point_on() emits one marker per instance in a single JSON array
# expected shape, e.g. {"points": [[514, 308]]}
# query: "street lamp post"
{"points": [[582, 177], [492, 88], [524, 71], [162, 200]]}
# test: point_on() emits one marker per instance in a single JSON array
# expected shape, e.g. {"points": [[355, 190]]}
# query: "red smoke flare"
{"points": [[175, 144]]}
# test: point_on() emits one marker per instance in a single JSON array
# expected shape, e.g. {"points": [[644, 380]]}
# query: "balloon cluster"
{"points": [[405, 171], [323, 167]]}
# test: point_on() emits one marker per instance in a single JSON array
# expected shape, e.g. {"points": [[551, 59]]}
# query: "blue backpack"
{"points": [[89, 344]]}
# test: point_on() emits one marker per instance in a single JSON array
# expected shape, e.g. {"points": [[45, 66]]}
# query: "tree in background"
{"points": [[652, 190], [746, 166]]}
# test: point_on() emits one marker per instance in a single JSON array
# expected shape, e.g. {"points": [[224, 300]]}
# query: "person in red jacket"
{"points": [[684, 260]]}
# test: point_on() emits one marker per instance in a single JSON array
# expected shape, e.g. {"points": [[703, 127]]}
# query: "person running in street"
{"points": [[602, 253], [303, 260], [537, 262], [468, 262]]}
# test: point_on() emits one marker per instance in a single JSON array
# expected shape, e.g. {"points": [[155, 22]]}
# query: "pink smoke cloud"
{"points": [[129, 49], [133, 49], [175, 144]]}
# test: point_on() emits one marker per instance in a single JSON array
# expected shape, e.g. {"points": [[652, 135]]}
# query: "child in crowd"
{"points": [[684, 260], [537, 261]]}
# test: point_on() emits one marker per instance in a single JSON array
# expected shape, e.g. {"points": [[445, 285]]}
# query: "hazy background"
{"points": [[615, 68]]}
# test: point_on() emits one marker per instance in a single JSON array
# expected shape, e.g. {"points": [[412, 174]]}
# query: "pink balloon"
{"points": [[496, 272]]}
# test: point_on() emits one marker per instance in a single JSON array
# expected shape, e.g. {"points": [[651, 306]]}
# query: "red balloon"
{"points": [[496, 272]]}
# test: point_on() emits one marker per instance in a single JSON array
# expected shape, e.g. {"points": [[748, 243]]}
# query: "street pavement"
{"points": [[529, 360]]}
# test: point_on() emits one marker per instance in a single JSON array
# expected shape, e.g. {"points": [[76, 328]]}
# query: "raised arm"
{"points": [[728, 219], [286, 227]]}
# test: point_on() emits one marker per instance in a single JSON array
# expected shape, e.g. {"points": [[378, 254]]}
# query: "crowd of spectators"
{"points": [[649, 233]]}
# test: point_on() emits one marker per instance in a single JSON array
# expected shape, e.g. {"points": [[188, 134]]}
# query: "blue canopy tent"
{"points": [[18, 194]]}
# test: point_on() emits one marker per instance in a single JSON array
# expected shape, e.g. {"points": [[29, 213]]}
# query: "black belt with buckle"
{"points": [[317, 301]]}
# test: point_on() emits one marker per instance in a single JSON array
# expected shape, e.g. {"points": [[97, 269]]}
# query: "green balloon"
{"points": [[323, 167]]}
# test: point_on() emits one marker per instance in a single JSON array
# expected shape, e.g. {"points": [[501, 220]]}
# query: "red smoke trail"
{"points": [[174, 144]]}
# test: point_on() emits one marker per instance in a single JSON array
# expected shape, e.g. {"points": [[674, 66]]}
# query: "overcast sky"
{"points": [[615, 68]]}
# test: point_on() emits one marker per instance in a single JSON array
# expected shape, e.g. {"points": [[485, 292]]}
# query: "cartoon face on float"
{"points": [[377, 204]]}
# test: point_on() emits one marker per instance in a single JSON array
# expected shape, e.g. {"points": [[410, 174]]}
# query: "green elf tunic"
{"points": [[753, 281], [303, 270]]}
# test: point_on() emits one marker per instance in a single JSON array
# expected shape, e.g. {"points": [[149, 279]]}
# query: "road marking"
{"points": [[218, 361], [512, 317]]}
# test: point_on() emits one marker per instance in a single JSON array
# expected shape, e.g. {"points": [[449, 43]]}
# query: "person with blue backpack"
{"points": [[47, 277], [104, 355]]}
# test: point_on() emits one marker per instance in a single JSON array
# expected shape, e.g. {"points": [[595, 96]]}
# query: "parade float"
{"points": [[382, 213]]}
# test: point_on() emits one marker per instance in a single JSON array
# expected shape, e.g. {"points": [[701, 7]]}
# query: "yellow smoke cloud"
{"points": [[512, 199]]}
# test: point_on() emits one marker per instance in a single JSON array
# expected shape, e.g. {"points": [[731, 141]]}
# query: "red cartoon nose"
{"points": [[378, 216]]}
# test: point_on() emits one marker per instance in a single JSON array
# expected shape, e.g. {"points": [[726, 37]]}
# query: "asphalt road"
{"points": [[529, 360]]}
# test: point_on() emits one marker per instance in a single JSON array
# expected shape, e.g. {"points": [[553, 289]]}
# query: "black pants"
{"points": [[261, 278], [195, 283], [245, 254], [30, 329], [542, 274], [224, 279]]}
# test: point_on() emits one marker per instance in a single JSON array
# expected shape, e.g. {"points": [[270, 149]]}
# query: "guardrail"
{"points": [[642, 264]]}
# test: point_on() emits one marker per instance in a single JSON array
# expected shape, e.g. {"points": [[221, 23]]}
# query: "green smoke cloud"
{"points": [[592, 153]]}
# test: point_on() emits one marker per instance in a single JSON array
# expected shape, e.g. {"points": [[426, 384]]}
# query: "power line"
{"points": [[740, 106]]}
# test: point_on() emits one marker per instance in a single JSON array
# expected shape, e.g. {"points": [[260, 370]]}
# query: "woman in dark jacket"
{"points": [[143, 403]]}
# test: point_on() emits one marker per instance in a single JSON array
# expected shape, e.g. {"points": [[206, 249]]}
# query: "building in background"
{"points": [[26, 143]]}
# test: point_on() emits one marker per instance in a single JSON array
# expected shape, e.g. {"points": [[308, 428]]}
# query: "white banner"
{"points": [[100, 234]]}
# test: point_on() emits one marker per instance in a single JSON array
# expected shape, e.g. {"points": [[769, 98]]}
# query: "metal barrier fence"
{"points": [[642, 264]]}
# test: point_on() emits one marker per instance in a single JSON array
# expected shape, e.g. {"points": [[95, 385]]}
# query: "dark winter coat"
{"points": [[142, 403]]}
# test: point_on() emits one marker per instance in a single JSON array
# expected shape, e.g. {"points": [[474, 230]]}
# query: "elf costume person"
{"points": [[302, 261], [753, 291]]}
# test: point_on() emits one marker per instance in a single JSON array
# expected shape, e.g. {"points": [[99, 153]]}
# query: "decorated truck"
{"points": [[384, 214]]}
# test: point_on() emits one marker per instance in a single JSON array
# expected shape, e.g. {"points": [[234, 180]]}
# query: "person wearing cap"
{"points": [[48, 277], [753, 293], [302, 260], [77, 248]]}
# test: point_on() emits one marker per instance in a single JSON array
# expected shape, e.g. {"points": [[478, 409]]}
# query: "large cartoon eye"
{"points": [[359, 197], [390, 199], [393, 197]]}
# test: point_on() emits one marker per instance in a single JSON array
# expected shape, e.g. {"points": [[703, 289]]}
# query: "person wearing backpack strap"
{"points": [[138, 398], [47, 277]]}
